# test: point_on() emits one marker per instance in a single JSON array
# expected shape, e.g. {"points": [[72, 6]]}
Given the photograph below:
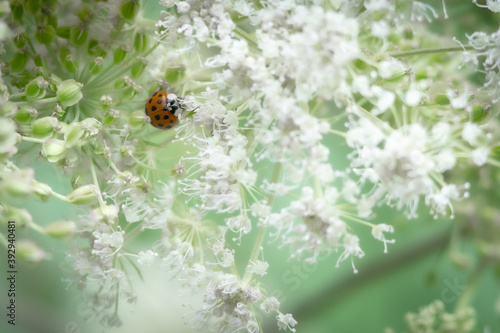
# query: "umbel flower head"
{"points": [[269, 94]]}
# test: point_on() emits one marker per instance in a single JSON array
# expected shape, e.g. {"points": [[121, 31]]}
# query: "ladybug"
{"points": [[161, 109]]}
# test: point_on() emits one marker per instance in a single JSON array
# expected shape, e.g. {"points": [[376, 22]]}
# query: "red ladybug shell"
{"points": [[158, 111]]}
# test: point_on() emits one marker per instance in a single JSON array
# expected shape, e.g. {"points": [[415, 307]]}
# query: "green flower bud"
{"points": [[69, 92], [54, 81], [8, 109], [58, 111], [70, 64], [77, 133], [173, 74], [21, 81], [45, 34], [20, 215], [41, 190], [138, 67], [85, 14], [91, 125], [479, 112], [28, 251], [140, 42], [38, 60], [25, 114], [45, 127], [36, 89], [96, 68], [105, 214], [33, 6], [73, 135], [20, 40], [18, 183], [138, 119], [17, 9], [60, 229], [19, 61], [94, 48], [83, 195], [120, 83], [78, 35], [106, 101], [129, 9], [119, 54], [63, 32], [111, 116], [54, 150]]}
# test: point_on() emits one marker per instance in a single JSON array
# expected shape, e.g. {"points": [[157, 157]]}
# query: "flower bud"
{"points": [[138, 119], [105, 214], [173, 74], [129, 9], [119, 54], [138, 67], [20, 40], [19, 61], [36, 89], [63, 32], [69, 92], [78, 35], [54, 81], [97, 66], [20, 215], [18, 183], [41, 190], [45, 34], [83, 195], [77, 133], [94, 48], [45, 127], [58, 112], [54, 150], [28, 251], [17, 9], [106, 101], [25, 114], [73, 135], [60, 229], [38, 60], [71, 64], [140, 42], [8, 109]]}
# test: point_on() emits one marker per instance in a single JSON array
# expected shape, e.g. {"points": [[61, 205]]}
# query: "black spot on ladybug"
{"points": [[153, 108], [171, 121], [160, 101], [165, 108], [161, 125], [160, 95], [150, 100], [174, 108], [155, 93], [165, 117], [168, 126], [157, 117]]}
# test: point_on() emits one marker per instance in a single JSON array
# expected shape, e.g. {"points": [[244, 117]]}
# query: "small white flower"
{"points": [[286, 322], [146, 258], [480, 156], [378, 233]]}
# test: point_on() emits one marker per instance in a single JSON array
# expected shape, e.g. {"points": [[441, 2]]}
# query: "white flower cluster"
{"points": [[271, 80]]}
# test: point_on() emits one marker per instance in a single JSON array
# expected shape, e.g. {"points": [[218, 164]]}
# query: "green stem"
{"points": [[38, 101], [30, 139], [430, 50]]}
